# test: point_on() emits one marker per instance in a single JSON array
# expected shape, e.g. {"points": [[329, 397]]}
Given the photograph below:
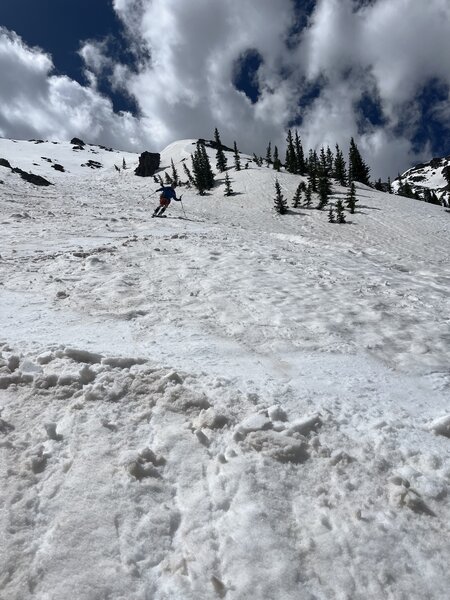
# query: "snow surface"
{"points": [[226, 403]]}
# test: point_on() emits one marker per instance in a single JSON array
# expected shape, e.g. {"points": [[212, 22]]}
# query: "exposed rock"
{"points": [[4, 163], [31, 177], [148, 164], [58, 167], [77, 142], [93, 164]]}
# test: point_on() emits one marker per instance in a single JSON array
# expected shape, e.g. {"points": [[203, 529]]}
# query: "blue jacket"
{"points": [[168, 192]]}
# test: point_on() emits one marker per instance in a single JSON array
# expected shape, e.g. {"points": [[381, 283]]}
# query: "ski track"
{"points": [[271, 428]]}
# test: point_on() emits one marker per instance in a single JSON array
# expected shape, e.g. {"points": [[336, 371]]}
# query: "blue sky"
{"points": [[138, 74]]}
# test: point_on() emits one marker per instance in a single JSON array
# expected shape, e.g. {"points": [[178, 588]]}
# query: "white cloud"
{"points": [[186, 55], [34, 103]]}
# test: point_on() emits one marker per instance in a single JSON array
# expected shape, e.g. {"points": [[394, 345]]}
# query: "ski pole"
{"points": [[183, 207]]}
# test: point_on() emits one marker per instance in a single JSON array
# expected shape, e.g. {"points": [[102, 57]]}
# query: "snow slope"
{"points": [[223, 403]]}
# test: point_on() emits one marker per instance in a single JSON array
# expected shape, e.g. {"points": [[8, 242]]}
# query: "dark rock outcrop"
{"points": [[31, 177], [4, 163], [93, 164], [58, 167], [77, 142], [148, 164]]}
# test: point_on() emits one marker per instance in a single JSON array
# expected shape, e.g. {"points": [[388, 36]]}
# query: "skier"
{"points": [[167, 194]]}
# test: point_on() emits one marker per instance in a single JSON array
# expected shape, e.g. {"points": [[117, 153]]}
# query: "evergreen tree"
{"points": [[175, 178], [389, 186], [331, 218], [269, 154], [206, 167], [351, 199], [340, 168], [124, 164], [167, 178], [313, 167], [330, 161], [379, 185], [279, 201], [237, 160], [291, 160], [340, 215], [308, 197], [323, 189], [296, 201], [228, 189], [221, 159], [276, 160], [323, 165], [189, 174], [201, 167], [256, 160], [324, 184], [299, 156], [357, 168]]}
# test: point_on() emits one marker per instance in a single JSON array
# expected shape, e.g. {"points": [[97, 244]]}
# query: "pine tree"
{"points": [[357, 168], [279, 201], [276, 160], [331, 218], [201, 167], [389, 186], [324, 184], [299, 156], [296, 201], [340, 168], [228, 189], [379, 185], [323, 165], [340, 215], [323, 189], [221, 159], [313, 170], [256, 160], [237, 160], [291, 161], [175, 178], [308, 197], [167, 178], [189, 174], [351, 199], [269, 154], [330, 161], [124, 164]]}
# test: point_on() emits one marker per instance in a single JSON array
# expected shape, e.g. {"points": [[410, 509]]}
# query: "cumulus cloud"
{"points": [[34, 103], [186, 55], [384, 49]]}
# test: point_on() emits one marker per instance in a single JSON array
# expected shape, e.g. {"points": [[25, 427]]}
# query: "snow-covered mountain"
{"points": [[433, 176], [226, 403]]}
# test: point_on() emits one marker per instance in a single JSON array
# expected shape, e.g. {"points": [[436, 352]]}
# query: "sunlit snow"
{"points": [[226, 403]]}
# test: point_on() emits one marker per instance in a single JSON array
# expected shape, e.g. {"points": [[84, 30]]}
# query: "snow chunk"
{"points": [[254, 422], [276, 413], [306, 426], [83, 356], [122, 362], [278, 446], [211, 419], [441, 426]]}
